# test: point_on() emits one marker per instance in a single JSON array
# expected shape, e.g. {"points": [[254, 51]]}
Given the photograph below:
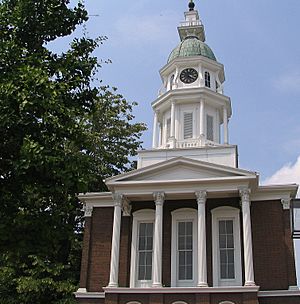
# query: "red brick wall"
{"points": [[99, 259], [272, 246]]}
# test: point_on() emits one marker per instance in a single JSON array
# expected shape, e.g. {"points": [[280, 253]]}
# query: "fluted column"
{"points": [[155, 123], [159, 198], [248, 253], [115, 244], [202, 261]]}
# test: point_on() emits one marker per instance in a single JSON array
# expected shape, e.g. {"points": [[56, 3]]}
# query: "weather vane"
{"points": [[191, 5]]}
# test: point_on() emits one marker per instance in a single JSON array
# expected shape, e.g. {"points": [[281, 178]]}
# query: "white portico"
{"points": [[177, 179]]}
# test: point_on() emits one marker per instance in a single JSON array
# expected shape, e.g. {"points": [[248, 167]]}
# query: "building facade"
{"points": [[188, 226]]}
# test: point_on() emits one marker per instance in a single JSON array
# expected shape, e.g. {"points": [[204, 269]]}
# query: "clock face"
{"points": [[189, 75]]}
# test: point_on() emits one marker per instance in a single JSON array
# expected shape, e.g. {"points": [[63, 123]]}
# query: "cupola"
{"points": [[191, 108]]}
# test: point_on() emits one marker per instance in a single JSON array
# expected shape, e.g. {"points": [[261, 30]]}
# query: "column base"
{"points": [[250, 283], [202, 284], [113, 285], [157, 285]]}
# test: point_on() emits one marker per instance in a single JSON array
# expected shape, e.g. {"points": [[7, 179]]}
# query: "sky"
{"points": [[258, 43]]}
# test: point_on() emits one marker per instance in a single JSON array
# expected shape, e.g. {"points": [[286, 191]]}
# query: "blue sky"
{"points": [[257, 41]]}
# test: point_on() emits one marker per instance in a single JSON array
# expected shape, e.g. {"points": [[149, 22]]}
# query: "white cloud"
{"points": [[289, 81], [288, 174], [147, 29]]}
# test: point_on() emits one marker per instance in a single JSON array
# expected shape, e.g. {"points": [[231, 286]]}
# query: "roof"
{"points": [[192, 46]]}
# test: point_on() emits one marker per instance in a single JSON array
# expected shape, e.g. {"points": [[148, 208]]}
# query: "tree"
{"points": [[61, 134]]}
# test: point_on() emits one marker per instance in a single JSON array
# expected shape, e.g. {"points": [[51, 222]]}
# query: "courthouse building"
{"points": [[189, 226]]}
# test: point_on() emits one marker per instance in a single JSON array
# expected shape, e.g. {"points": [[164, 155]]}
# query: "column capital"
{"points": [[88, 210], [118, 199], [126, 207], [245, 195], [159, 198], [201, 196], [286, 203]]}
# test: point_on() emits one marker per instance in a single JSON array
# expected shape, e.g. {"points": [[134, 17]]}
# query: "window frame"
{"points": [[226, 213], [183, 215], [207, 79], [140, 216]]}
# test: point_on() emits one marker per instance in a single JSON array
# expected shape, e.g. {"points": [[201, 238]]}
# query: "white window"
{"points": [[184, 248], [187, 125], [227, 270], [142, 248], [210, 127], [207, 79]]}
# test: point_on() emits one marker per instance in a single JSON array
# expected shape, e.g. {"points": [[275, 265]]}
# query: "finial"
{"points": [[191, 5]]}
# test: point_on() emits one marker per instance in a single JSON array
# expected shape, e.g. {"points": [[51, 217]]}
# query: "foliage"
{"points": [[60, 135]]}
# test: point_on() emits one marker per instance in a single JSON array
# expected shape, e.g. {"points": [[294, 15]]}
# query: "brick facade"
{"points": [[273, 256]]}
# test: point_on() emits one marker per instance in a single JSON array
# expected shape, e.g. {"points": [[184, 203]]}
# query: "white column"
{"points": [[115, 244], [201, 118], [225, 126], [202, 263], [159, 198], [172, 131], [155, 122], [248, 254]]}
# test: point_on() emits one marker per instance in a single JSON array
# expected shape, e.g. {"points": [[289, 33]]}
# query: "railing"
{"points": [[190, 23], [190, 143]]}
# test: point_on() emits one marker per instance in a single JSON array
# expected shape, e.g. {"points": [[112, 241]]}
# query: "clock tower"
{"points": [[191, 112]]}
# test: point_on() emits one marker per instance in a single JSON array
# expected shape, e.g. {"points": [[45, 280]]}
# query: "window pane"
{"points": [[185, 250], [145, 245], [231, 271], [226, 249], [222, 227], [222, 241], [229, 227], [230, 241]]}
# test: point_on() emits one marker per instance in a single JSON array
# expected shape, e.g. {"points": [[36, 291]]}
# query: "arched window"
{"points": [[172, 82], [226, 302], [179, 302], [142, 248], [207, 79], [226, 243], [184, 248], [133, 302]]}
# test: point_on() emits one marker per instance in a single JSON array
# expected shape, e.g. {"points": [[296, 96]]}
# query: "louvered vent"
{"points": [[188, 125], [168, 128], [210, 127]]}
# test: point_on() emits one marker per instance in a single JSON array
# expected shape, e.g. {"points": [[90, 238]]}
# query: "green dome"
{"points": [[192, 47]]}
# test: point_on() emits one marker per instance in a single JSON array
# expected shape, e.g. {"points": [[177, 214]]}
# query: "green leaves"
{"points": [[61, 134]]}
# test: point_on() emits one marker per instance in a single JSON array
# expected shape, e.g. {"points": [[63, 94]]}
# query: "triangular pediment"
{"points": [[180, 169]]}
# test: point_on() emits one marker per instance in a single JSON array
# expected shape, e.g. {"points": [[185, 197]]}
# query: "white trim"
{"points": [[179, 302], [181, 290], [279, 293], [234, 214], [183, 214], [226, 302], [143, 215], [133, 302], [89, 295]]}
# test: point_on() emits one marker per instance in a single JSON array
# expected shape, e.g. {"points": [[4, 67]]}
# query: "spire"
{"points": [[191, 5]]}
